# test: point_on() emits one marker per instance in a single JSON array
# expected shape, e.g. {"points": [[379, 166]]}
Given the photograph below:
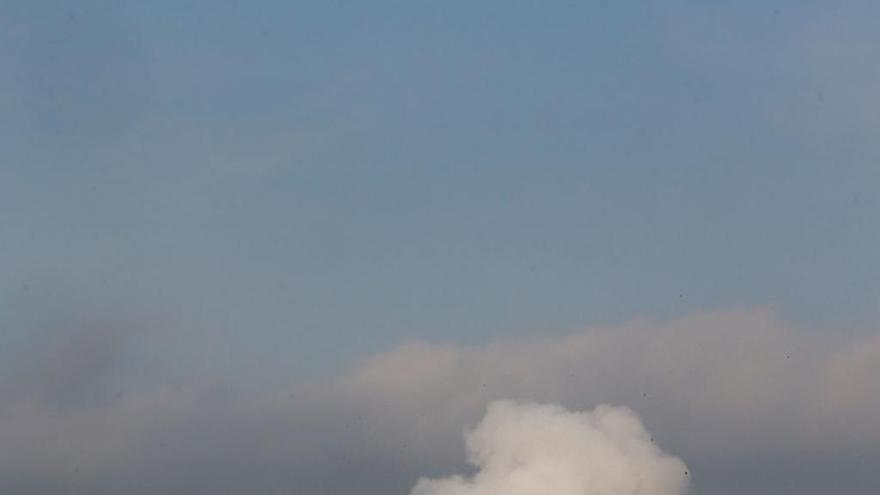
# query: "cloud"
{"points": [[720, 374], [527, 449], [745, 397], [726, 389]]}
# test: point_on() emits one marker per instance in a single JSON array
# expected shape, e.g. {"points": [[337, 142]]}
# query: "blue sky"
{"points": [[302, 184], [305, 183]]}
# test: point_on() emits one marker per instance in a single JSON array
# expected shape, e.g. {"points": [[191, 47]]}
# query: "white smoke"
{"points": [[532, 449]]}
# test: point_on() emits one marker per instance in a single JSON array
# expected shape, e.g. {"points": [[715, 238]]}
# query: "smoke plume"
{"points": [[532, 449]]}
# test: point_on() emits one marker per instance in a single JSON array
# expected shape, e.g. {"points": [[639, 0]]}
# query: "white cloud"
{"points": [[529, 449]]}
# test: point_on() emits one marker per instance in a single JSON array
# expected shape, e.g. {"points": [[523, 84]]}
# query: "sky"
{"points": [[314, 241]]}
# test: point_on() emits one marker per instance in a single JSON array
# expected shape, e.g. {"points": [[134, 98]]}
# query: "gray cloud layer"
{"points": [[752, 403]]}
